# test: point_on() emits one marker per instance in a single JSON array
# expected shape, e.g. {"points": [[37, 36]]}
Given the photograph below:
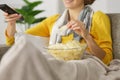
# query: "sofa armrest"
{"points": [[3, 49]]}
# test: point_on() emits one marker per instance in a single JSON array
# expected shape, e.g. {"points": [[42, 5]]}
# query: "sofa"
{"points": [[115, 25], [3, 49]]}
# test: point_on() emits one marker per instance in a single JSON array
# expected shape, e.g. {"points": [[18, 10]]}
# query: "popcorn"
{"points": [[73, 50]]}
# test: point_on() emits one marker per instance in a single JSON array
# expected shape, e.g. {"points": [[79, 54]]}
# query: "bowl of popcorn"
{"points": [[72, 50]]}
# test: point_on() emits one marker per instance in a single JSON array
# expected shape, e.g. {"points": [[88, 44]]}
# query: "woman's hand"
{"points": [[11, 27], [78, 27], [11, 18]]}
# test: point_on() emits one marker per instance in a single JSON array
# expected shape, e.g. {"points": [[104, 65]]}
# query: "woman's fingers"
{"points": [[12, 17], [5, 14], [70, 24], [74, 24], [78, 27]]}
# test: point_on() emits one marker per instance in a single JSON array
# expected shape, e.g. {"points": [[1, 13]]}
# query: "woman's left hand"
{"points": [[78, 27]]}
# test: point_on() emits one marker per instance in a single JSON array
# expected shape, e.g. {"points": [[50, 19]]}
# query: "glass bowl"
{"points": [[68, 53]]}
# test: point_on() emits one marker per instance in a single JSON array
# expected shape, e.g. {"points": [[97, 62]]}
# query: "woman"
{"points": [[98, 40], [82, 25]]}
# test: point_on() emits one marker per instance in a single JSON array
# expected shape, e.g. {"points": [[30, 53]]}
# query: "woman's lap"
{"points": [[24, 61]]}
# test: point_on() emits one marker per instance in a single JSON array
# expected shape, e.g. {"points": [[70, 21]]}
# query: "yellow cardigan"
{"points": [[100, 31]]}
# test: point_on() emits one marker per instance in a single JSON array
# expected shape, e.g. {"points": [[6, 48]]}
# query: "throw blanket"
{"points": [[28, 60], [84, 16]]}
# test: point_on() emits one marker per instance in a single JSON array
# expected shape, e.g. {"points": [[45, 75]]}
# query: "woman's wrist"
{"points": [[87, 37], [11, 29], [12, 23]]}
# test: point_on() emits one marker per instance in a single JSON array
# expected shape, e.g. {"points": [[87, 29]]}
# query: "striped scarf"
{"points": [[84, 16]]}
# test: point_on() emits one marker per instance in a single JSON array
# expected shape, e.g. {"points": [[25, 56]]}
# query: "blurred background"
{"points": [[53, 7]]}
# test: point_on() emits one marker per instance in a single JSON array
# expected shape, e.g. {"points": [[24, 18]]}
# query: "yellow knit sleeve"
{"points": [[9, 40], [43, 28], [101, 31]]}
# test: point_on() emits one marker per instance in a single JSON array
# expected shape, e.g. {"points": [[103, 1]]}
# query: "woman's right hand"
{"points": [[11, 27], [12, 18]]}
